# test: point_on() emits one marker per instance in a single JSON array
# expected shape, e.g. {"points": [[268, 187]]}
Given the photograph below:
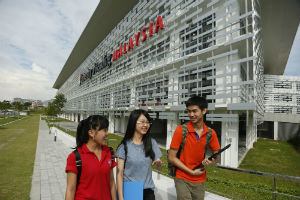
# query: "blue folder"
{"points": [[133, 190]]}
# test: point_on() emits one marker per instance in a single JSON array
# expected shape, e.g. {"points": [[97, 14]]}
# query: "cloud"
{"points": [[38, 69], [36, 39]]}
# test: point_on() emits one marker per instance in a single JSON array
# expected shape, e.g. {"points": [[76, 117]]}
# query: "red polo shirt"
{"points": [[94, 181], [193, 152]]}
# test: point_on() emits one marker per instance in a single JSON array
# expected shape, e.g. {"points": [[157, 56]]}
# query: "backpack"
{"points": [[79, 161], [171, 168]]}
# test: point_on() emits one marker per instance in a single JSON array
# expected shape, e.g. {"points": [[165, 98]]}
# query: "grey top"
{"points": [[138, 167]]}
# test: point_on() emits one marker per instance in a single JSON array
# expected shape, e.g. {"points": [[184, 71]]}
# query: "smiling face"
{"points": [[142, 125], [100, 136], [195, 114]]}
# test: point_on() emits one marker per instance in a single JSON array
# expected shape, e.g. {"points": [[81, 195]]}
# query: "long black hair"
{"points": [[130, 132], [94, 122]]}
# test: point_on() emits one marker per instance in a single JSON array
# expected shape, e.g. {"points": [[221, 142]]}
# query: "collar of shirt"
{"points": [[191, 130], [85, 149]]}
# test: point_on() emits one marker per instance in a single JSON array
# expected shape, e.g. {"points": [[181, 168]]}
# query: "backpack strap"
{"points": [[78, 164], [208, 139], [112, 155], [184, 134]]}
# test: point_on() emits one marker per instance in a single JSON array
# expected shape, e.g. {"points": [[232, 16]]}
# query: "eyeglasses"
{"points": [[144, 123]]}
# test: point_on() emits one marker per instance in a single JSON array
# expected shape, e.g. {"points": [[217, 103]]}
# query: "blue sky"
{"points": [[293, 65], [37, 37]]}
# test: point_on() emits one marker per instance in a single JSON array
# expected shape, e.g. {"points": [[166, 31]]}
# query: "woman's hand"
{"points": [[158, 163]]}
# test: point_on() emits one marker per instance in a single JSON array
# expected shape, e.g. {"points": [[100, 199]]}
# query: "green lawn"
{"points": [[266, 156], [9, 119], [17, 153]]}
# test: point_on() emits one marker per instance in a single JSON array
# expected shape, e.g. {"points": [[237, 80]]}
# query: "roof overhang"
{"points": [[106, 16], [280, 21]]}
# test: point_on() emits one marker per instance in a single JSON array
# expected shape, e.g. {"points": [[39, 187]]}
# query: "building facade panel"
{"points": [[163, 52]]}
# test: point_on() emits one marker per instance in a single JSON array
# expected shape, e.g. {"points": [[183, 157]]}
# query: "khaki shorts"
{"points": [[189, 191]]}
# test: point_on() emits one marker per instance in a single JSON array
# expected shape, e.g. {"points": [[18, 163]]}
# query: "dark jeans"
{"points": [[148, 194]]}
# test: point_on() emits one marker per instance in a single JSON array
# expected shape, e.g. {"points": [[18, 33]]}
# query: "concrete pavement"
{"points": [[49, 178]]}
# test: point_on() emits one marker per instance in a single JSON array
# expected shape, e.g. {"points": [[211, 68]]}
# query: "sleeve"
{"points": [[156, 149], [177, 138], [71, 163], [214, 143], [120, 152]]}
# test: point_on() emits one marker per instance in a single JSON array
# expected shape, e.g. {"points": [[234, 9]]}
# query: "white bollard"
{"points": [[55, 133]]}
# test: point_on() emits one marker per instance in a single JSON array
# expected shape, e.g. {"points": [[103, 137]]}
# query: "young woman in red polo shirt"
{"points": [[97, 179]]}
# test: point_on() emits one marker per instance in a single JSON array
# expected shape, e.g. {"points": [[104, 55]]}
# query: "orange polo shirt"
{"points": [[193, 151]]}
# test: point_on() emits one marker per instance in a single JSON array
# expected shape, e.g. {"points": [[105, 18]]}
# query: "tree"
{"points": [[59, 102], [4, 106], [51, 109], [27, 105], [18, 106], [55, 107]]}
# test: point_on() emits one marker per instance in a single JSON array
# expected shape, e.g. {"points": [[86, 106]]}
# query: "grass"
{"points": [[274, 156], [17, 154], [266, 155], [9, 119], [55, 119]]}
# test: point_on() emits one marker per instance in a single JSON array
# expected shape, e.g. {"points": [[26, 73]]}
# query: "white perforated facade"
{"points": [[209, 48], [282, 94]]}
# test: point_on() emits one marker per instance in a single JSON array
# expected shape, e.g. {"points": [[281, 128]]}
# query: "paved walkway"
{"points": [[49, 177]]}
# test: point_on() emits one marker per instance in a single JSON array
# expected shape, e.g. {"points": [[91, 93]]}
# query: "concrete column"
{"points": [[111, 119], [132, 95], [117, 124], [124, 122], [230, 135], [250, 132], [275, 130], [171, 126]]}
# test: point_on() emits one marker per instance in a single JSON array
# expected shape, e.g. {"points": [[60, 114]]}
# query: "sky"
{"points": [[37, 37]]}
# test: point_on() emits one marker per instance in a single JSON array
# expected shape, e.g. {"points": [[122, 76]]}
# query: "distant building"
{"points": [[36, 104], [22, 101], [46, 103]]}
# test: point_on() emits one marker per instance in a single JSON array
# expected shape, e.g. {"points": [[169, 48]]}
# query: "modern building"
{"points": [[22, 101], [282, 107], [155, 54]]}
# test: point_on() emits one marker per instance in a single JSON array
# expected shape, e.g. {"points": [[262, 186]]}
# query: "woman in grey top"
{"points": [[135, 152]]}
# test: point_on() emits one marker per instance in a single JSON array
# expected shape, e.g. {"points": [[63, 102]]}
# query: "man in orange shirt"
{"points": [[190, 182]]}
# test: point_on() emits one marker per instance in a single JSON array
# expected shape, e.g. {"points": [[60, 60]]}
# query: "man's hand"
{"points": [[197, 172], [207, 162]]}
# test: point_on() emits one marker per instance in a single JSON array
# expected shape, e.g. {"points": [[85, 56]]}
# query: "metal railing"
{"points": [[273, 176]]}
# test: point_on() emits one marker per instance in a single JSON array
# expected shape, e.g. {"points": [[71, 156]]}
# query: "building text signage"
{"points": [[128, 46]]}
